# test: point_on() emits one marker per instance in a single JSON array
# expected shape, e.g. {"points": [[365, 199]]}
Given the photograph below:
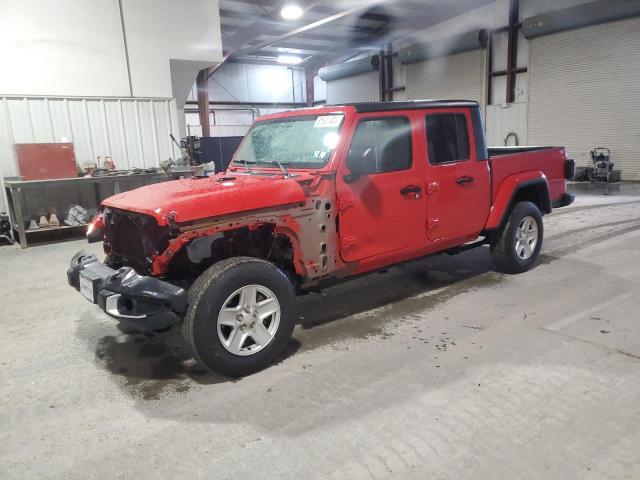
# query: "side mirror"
{"points": [[362, 160]]}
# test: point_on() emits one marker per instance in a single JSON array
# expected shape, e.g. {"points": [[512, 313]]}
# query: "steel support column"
{"points": [[310, 72], [512, 49], [512, 70], [202, 84], [387, 87]]}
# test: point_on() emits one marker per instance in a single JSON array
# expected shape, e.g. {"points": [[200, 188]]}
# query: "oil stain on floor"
{"points": [[366, 307], [150, 368]]}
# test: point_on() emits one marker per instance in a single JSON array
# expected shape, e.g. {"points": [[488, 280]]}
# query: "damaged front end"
{"points": [[142, 302], [133, 239]]}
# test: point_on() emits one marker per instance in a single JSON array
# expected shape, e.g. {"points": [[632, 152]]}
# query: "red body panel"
{"points": [[457, 211], [355, 226], [375, 218], [510, 170], [198, 198]]}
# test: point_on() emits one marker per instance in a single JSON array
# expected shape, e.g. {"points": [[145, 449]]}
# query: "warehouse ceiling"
{"points": [[255, 30]]}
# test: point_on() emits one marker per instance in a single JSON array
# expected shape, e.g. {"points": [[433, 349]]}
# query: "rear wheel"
{"points": [[240, 315], [518, 245]]}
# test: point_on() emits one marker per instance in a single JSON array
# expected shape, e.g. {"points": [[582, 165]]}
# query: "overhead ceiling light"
{"points": [[289, 50], [291, 12], [289, 59]]}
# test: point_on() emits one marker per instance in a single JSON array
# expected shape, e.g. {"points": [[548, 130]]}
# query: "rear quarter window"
{"points": [[447, 138]]}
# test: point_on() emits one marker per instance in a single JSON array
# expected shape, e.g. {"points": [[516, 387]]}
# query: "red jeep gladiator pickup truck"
{"points": [[312, 197]]}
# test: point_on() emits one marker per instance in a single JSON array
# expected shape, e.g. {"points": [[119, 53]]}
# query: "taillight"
{"points": [[569, 169], [95, 229]]}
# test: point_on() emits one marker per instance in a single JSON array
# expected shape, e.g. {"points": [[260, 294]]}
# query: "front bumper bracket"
{"points": [[145, 303]]}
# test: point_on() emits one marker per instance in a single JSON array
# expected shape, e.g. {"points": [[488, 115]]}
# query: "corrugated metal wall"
{"points": [[134, 132], [227, 121], [319, 89], [459, 76], [234, 123], [584, 89], [359, 88], [502, 120], [249, 83]]}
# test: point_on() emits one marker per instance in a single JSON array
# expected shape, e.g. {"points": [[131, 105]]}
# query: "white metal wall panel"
{"points": [[399, 79], [134, 143], [245, 82], [229, 130], [460, 76], [502, 120], [584, 89], [148, 134], [134, 132], [319, 89], [226, 121], [192, 122], [359, 88], [117, 133], [229, 117]]}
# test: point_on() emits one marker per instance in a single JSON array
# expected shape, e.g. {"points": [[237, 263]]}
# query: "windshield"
{"points": [[299, 142]]}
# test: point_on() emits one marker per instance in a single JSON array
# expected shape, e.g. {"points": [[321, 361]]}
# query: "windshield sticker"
{"points": [[328, 121]]}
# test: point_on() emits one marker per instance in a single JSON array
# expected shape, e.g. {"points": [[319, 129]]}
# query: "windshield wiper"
{"points": [[246, 164], [285, 172]]}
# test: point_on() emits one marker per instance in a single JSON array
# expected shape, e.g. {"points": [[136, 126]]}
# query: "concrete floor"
{"points": [[442, 370]]}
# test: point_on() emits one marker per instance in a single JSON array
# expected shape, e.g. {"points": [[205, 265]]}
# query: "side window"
{"points": [[386, 142], [447, 138]]}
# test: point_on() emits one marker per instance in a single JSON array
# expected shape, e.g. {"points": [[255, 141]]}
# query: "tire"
{"points": [[510, 255], [222, 340]]}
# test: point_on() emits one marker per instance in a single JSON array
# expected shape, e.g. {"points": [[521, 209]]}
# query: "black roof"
{"points": [[365, 107]]}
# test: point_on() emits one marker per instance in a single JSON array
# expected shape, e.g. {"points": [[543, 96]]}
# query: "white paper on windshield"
{"points": [[328, 121]]}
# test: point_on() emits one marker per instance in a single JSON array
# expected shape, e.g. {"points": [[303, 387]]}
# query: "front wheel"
{"points": [[518, 245], [240, 315]]}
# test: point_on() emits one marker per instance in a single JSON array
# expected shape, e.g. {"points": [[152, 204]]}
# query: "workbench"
{"points": [[26, 198]]}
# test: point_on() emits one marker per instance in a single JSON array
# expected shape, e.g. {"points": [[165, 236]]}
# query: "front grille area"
{"points": [[134, 238]]}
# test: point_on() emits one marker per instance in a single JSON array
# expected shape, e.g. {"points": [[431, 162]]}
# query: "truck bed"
{"points": [[509, 161], [507, 150]]}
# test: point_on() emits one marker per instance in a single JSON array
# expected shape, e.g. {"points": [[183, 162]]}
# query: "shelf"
{"points": [[55, 229], [26, 198], [80, 180]]}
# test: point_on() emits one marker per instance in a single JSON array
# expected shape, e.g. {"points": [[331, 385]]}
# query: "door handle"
{"points": [[410, 189], [464, 180]]}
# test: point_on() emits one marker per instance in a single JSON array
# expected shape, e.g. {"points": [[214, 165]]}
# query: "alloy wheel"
{"points": [[248, 320]]}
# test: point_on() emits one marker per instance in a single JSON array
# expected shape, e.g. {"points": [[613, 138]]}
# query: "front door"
{"points": [[383, 210], [458, 184]]}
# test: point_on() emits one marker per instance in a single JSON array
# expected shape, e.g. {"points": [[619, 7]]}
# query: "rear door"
{"points": [[458, 184], [384, 211]]}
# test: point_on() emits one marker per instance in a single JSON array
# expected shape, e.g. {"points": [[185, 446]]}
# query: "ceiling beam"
{"points": [[262, 24], [376, 17], [439, 12], [420, 19], [311, 26]]}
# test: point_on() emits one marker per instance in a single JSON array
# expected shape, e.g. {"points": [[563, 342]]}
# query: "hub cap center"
{"points": [[248, 320], [526, 238]]}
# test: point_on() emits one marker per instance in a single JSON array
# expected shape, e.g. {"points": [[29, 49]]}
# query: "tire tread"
{"points": [[503, 256], [199, 288]]}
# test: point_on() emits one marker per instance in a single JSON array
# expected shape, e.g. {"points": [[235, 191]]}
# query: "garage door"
{"points": [[359, 88], [459, 76], [584, 92]]}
